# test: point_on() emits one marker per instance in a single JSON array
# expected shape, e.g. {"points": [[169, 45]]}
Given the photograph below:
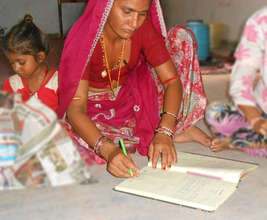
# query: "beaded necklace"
{"points": [[108, 70]]}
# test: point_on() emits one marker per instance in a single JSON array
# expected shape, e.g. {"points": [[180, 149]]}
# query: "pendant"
{"points": [[104, 73], [112, 97]]}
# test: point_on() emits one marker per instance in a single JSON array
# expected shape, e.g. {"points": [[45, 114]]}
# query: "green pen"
{"points": [[125, 153]]}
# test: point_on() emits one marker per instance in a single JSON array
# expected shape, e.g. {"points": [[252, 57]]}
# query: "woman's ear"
{"points": [[41, 56]]}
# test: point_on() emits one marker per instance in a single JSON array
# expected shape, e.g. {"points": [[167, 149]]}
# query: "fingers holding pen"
{"points": [[120, 166], [131, 161]]}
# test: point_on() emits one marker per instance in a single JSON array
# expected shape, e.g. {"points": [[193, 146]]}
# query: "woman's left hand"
{"points": [[162, 145]]}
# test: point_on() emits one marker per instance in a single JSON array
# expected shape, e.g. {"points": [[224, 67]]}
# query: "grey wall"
{"points": [[44, 12], [233, 13]]}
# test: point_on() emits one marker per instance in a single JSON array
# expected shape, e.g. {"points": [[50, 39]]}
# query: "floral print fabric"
{"points": [[228, 123], [182, 46], [246, 87]]}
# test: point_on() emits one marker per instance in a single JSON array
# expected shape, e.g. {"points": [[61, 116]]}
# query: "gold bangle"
{"points": [[99, 143], [166, 129], [171, 114], [159, 131], [76, 98]]}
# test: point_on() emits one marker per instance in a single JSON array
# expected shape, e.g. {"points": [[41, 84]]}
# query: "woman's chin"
{"points": [[126, 35]]}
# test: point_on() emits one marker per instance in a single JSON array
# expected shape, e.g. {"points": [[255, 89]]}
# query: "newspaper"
{"points": [[35, 150]]}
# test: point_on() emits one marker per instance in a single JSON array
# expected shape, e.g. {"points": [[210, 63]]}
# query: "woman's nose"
{"points": [[134, 20]]}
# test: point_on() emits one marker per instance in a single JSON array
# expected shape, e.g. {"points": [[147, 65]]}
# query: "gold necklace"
{"points": [[107, 64]]}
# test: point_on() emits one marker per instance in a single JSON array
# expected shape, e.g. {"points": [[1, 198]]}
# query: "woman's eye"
{"points": [[21, 62], [127, 12], [143, 13]]}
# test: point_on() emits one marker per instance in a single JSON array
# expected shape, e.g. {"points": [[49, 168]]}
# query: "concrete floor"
{"points": [[99, 200]]}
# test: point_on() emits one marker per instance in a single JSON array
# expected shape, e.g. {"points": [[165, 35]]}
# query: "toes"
{"points": [[216, 142], [216, 149], [218, 145], [207, 142]]}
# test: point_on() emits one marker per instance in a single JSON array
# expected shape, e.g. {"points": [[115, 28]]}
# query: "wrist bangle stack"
{"points": [[100, 141], [164, 130], [170, 114]]}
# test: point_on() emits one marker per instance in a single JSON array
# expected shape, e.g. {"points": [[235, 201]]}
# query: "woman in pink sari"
{"points": [[118, 81]]}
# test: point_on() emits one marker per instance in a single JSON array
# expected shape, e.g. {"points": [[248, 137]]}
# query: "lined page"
{"points": [[218, 168], [180, 188]]}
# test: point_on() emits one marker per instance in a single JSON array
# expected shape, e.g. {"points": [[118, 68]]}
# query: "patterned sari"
{"points": [[135, 113], [228, 123]]}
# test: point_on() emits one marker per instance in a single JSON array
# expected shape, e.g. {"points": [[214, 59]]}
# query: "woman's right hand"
{"points": [[118, 164]]}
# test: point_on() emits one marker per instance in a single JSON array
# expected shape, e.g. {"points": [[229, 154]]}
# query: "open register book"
{"points": [[196, 181]]}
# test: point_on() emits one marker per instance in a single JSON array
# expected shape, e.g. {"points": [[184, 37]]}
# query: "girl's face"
{"points": [[24, 65], [127, 16]]}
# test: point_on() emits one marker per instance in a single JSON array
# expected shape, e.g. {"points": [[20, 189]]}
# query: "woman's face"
{"points": [[127, 16]]}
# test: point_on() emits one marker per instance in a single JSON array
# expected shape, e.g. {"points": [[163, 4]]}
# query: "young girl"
{"points": [[26, 48]]}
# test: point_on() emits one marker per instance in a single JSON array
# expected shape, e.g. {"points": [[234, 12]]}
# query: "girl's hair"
{"points": [[25, 38]]}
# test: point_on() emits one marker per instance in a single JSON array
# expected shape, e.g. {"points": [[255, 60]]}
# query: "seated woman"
{"points": [[243, 126], [109, 92]]}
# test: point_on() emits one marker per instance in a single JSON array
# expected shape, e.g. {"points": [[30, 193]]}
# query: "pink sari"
{"points": [[134, 115]]}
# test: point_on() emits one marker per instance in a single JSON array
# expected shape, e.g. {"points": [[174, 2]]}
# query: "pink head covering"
{"points": [[81, 41], [79, 47]]}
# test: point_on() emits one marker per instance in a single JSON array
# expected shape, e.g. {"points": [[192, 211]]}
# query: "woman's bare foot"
{"points": [[218, 145], [194, 134]]}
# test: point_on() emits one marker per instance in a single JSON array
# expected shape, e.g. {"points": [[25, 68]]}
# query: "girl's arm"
{"points": [[162, 143], [117, 163]]}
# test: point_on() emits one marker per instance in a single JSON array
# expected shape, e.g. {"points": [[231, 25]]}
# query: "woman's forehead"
{"points": [[134, 4]]}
